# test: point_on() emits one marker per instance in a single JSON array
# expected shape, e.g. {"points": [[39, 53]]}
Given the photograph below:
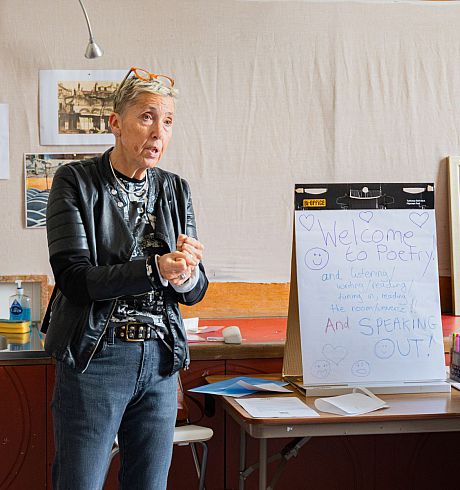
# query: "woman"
{"points": [[123, 249]]}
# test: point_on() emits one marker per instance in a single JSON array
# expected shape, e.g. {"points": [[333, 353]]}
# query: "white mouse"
{"points": [[232, 335]]}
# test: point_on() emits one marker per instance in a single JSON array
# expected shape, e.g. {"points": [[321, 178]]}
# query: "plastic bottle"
{"points": [[20, 304]]}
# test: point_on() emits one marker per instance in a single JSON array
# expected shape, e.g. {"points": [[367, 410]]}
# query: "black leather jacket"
{"points": [[90, 247]]}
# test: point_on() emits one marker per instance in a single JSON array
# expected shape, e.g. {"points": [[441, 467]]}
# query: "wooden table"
{"points": [[408, 413]]}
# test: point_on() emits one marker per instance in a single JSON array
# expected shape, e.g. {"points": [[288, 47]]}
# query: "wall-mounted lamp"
{"points": [[93, 50]]}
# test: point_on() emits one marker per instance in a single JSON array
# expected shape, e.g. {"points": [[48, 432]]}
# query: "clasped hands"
{"points": [[177, 267]]}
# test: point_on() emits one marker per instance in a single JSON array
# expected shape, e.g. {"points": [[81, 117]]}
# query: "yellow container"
{"points": [[14, 326]]}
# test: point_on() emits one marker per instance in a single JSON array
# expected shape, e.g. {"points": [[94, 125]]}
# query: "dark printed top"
{"points": [[131, 197]]}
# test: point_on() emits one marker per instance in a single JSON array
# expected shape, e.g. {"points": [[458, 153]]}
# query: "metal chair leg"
{"points": [[204, 462], [196, 460], [200, 468]]}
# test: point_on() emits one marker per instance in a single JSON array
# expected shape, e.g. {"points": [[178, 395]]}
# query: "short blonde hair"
{"points": [[132, 87]]}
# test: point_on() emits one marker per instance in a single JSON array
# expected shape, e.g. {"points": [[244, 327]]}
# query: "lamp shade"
{"points": [[93, 50]]}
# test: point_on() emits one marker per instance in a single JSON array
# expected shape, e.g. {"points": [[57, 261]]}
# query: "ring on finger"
{"points": [[183, 276]]}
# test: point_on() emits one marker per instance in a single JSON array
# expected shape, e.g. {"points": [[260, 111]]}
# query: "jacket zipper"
{"points": [[109, 317], [102, 335], [187, 354]]}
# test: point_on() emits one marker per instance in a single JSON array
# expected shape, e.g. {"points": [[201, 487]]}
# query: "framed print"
{"points": [[4, 143], [454, 207], [39, 170], [75, 106]]}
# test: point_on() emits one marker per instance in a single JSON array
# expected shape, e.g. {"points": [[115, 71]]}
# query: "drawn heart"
{"points": [[366, 215], [307, 221], [419, 219], [334, 354]]}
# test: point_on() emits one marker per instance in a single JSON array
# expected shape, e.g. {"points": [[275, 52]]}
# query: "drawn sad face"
{"points": [[360, 368], [316, 258]]}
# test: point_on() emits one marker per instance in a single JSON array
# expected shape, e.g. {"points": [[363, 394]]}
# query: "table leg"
{"points": [[242, 458], [263, 464]]}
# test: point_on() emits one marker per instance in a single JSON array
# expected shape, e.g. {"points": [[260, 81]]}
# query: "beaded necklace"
{"points": [[139, 192]]}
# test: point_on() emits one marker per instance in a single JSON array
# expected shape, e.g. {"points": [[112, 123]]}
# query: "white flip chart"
{"points": [[368, 295]]}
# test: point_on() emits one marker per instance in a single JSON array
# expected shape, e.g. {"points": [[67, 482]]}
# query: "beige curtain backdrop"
{"points": [[272, 94]]}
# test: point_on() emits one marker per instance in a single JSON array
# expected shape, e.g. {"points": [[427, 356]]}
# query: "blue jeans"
{"points": [[126, 390]]}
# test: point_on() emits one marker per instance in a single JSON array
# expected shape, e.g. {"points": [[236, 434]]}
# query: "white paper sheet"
{"points": [[264, 387], [194, 331], [191, 324], [277, 407], [351, 404], [369, 309]]}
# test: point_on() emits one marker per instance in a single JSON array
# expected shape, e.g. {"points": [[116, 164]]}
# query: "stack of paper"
{"points": [[241, 386]]}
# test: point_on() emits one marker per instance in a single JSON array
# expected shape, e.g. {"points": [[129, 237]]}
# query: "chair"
{"points": [[185, 434], [190, 434]]}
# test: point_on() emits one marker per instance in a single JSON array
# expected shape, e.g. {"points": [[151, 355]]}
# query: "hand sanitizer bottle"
{"points": [[19, 304]]}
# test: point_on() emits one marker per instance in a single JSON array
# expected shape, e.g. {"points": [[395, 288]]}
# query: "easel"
{"points": [[292, 361]]}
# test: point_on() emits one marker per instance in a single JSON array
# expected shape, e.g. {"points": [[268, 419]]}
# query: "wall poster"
{"points": [[75, 106], [39, 170]]}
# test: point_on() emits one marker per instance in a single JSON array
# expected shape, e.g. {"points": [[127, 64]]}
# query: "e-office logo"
{"points": [[314, 203]]}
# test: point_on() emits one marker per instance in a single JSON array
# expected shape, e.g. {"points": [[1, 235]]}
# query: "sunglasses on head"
{"points": [[146, 76]]}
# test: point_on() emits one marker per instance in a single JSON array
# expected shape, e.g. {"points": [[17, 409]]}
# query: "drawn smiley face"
{"points": [[316, 258], [321, 368], [360, 368], [384, 348]]}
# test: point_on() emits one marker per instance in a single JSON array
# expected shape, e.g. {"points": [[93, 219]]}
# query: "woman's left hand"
{"points": [[192, 248]]}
